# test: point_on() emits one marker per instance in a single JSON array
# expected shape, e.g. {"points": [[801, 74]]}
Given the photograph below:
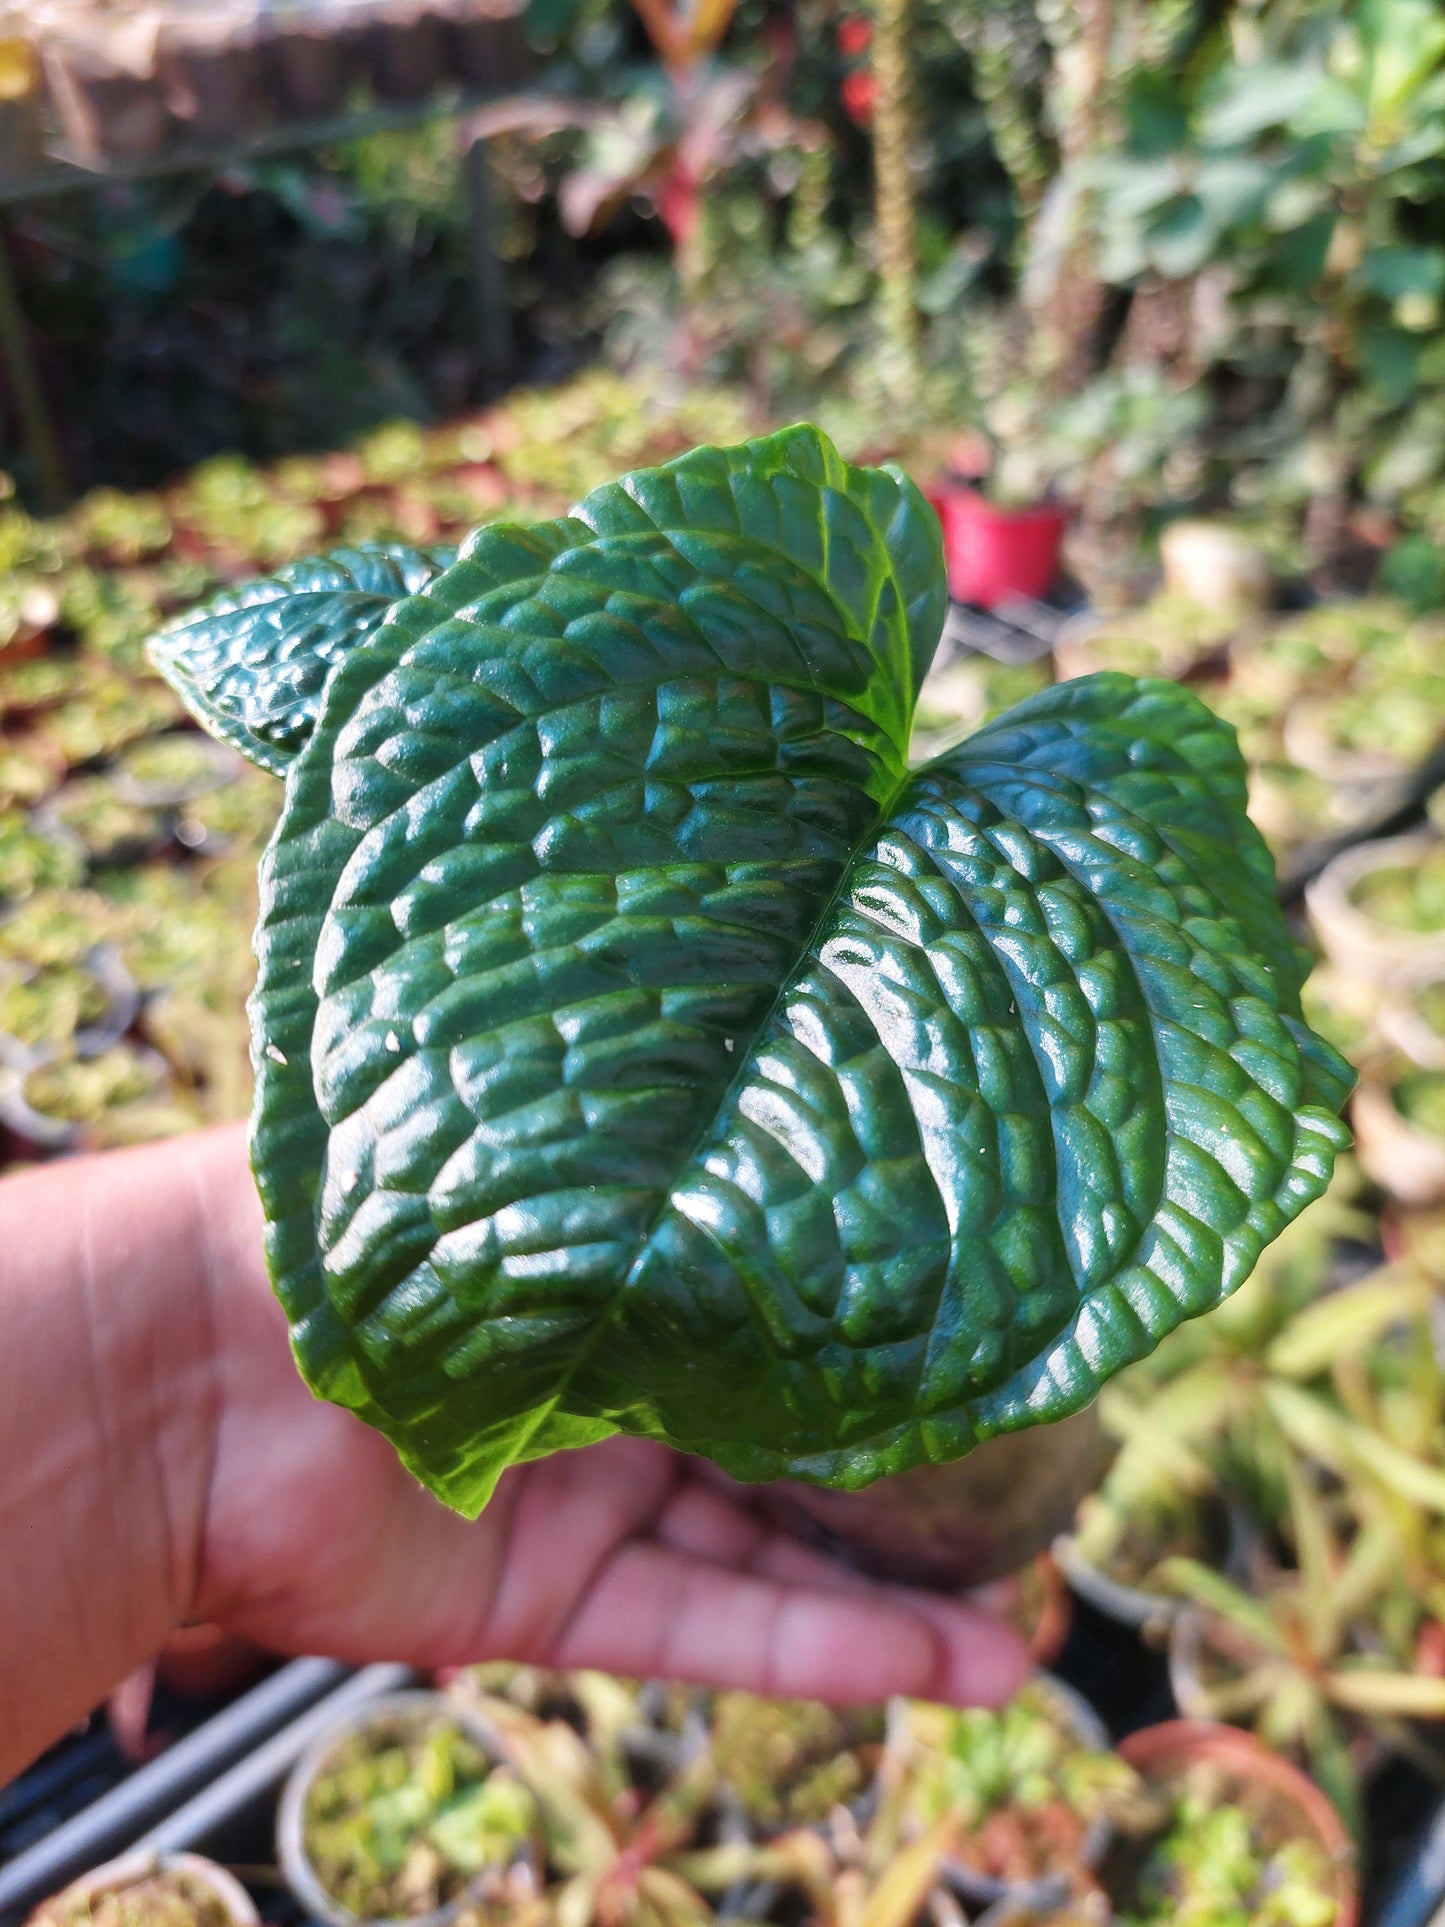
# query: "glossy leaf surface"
{"points": [[251, 664], [640, 1045]]}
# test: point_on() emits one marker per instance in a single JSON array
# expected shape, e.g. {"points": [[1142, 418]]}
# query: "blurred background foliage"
{"points": [[1169, 253]]}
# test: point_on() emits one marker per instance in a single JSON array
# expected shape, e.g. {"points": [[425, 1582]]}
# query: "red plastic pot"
{"points": [[995, 553], [1160, 1754]]}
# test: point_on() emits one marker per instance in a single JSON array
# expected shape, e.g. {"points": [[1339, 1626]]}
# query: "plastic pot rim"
{"points": [[131, 1868], [1352, 939], [1049, 1890], [1180, 1743]]}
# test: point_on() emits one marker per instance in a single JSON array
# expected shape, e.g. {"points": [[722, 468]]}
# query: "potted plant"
{"points": [[1169, 636], [999, 545], [108, 827], [881, 1372], [169, 771], [29, 688], [1412, 1017], [90, 1001], [60, 1101], [1285, 1653], [1399, 1117], [1217, 566], [168, 1889], [30, 860], [788, 1763], [28, 772], [1033, 1793], [121, 528], [1245, 1835], [405, 1809], [1380, 908]]}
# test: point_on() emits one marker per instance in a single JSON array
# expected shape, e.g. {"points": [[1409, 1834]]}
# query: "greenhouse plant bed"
{"points": [[180, 919]]}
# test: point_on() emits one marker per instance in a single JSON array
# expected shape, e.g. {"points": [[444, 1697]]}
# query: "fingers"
{"points": [[654, 1610], [980, 1660], [570, 1514]]}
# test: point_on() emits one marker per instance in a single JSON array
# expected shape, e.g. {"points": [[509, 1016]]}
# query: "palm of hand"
{"points": [[623, 1556]]}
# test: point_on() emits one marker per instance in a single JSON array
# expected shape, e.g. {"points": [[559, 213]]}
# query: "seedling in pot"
{"points": [[30, 860], [108, 828], [404, 1815], [151, 1890], [27, 773], [1299, 1655], [687, 1066], [1399, 1115], [64, 1102], [1186, 1481], [1243, 1836], [1034, 1792], [122, 528]]}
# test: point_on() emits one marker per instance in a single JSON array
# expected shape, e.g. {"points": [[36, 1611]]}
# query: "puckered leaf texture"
{"points": [[252, 662], [641, 1046]]}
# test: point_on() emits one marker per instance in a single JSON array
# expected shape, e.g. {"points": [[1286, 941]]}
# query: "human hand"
{"points": [[624, 1555], [162, 1441]]}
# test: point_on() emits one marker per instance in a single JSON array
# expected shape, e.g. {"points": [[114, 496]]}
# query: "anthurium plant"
{"points": [[643, 1046]]}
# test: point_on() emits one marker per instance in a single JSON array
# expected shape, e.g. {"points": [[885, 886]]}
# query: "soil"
{"points": [[160, 1900]]}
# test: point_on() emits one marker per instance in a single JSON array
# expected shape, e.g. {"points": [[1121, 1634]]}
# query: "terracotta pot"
{"points": [[1045, 1610], [958, 1525], [1354, 940], [1161, 1754], [995, 553], [134, 1868]]}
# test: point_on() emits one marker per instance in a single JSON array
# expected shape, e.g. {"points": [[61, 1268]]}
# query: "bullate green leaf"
{"points": [[251, 663], [641, 1046]]}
